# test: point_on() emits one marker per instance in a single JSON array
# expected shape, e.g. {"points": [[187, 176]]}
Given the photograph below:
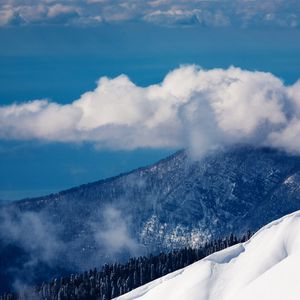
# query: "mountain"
{"points": [[265, 267], [174, 203]]}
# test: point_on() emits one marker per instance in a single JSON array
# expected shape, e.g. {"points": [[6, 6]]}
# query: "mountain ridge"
{"points": [[100, 181], [177, 202]]}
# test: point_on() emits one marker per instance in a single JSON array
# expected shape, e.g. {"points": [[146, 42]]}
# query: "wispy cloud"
{"points": [[194, 108], [241, 13], [113, 233], [43, 244]]}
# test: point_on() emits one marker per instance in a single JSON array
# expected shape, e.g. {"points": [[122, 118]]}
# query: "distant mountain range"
{"points": [[265, 267], [174, 203]]}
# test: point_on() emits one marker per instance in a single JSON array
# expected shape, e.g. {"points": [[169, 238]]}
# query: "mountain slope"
{"points": [[265, 267], [174, 203], [228, 191]]}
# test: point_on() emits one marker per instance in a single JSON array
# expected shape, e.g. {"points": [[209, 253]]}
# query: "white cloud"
{"points": [[194, 108], [241, 13], [8, 16], [177, 16], [33, 232], [59, 9], [113, 233], [37, 12]]}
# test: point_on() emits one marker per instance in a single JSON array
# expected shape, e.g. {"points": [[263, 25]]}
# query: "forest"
{"points": [[113, 280]]}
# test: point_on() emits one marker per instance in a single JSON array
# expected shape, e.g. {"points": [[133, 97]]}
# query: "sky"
{"points": [[209, 13], [90, 89]]}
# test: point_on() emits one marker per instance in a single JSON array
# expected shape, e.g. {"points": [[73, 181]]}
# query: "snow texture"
{"points": [[265, 267]]}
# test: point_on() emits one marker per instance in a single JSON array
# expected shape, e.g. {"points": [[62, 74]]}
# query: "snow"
{"points": [[265, 267]]}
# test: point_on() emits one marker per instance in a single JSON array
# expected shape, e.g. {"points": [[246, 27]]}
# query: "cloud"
{"points": [[175, 17], [37, 12], [8, 16], [192, 108], [40, 245], [113, 233], [241, 13], [33, 232]]}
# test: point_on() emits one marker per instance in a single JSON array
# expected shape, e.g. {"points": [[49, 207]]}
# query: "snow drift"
{"points": [[265, 267]]}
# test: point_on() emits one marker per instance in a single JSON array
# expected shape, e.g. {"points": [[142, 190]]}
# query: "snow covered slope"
{"points": [[265, 267], [174, 203]]}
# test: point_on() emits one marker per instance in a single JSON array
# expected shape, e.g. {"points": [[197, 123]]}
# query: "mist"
{"points": [[37, 247]]}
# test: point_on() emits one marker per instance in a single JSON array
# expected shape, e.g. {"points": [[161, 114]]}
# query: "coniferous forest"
{"points": [[113, 280]]}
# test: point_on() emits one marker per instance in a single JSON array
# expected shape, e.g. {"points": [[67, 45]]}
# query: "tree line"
{"points": [[113, 280]]}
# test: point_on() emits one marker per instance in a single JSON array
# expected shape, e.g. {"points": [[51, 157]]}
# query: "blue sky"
{"points": [[59, 61]]}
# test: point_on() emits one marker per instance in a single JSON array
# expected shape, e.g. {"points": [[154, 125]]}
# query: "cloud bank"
{"points": [[191, 108], [241, 13]]}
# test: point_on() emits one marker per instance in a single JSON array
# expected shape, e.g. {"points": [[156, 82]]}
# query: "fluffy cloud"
{"points": [[242, 13], [38, 12], [194, 108]]}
